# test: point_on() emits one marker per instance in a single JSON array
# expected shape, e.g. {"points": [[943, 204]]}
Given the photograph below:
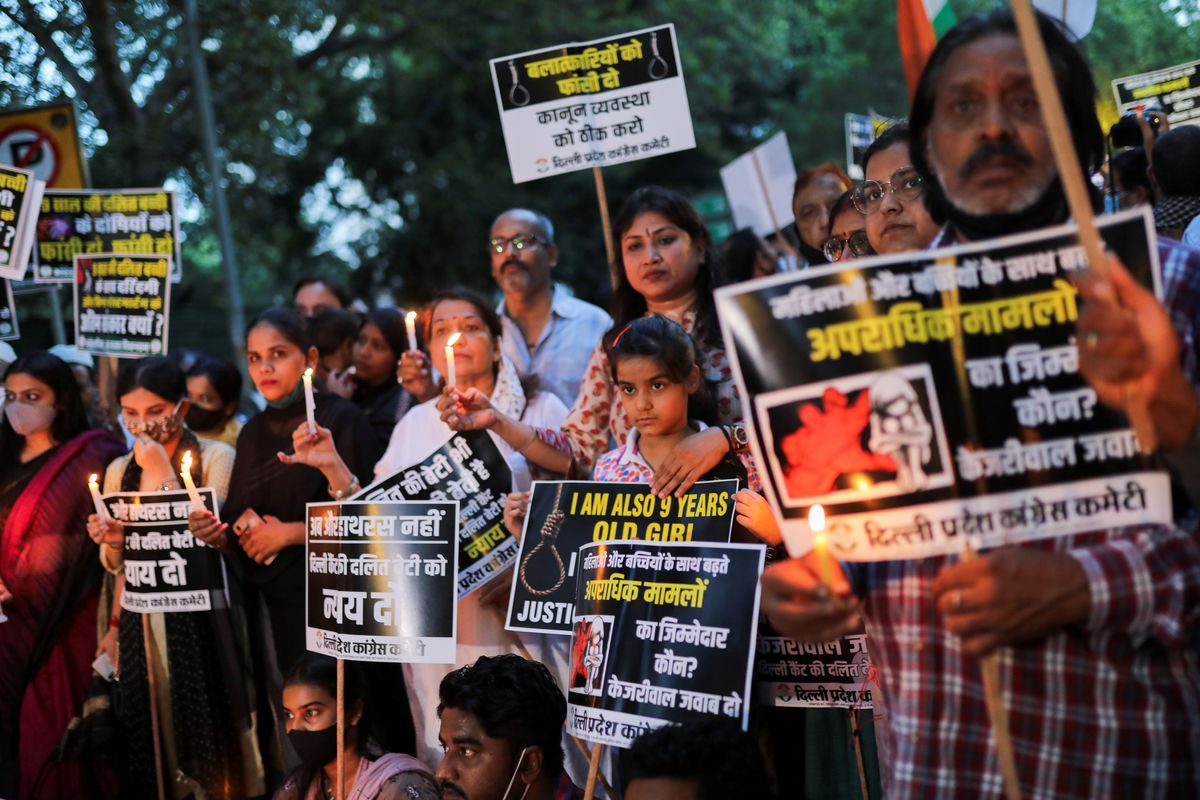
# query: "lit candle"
{"points": [[410, 324], [97, 500], [185, 470], [816, 523], [310, 406], [451, 376]]}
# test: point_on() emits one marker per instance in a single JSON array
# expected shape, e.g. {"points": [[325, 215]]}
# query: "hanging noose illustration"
{"points": [[549, 538], [518, 95], [658, 65]]}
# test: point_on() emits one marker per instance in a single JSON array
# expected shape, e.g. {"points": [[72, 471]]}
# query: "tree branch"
{"points": [[333, 47], [108, 61], [29, 21]]}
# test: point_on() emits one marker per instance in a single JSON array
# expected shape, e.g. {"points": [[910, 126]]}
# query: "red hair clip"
{"points": [[624, 331]]}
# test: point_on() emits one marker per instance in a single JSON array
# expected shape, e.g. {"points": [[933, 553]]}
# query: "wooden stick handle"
{"points": [[856, 731], [1074, 184], [606, 225], [152, 690], [589, 790], [599, 775], [340, 794], [989, 669]]}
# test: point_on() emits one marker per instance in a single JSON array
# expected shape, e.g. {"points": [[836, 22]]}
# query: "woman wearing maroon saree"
{"points": [[49, 576]]}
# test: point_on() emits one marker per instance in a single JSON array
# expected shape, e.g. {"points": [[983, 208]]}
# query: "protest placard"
{"points": [[380, 583], [167, 569], [565, 515], [663, 633], [791, 674], [122, 304], [759, 187], [861, 130], [94, 221], [932, 396], [592, 104], [9, 327], [45, 140], [468, 469], [20, 199], [1175, 89]]}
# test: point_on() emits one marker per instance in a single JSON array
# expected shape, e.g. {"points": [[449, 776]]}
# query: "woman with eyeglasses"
{"points": [[847, 238], [891, 196]]}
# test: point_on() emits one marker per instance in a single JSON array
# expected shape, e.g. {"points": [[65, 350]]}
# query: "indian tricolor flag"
{"points": [[920, 23]]}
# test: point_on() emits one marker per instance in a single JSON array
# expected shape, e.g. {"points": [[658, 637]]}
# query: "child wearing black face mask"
{"points": [[310, 706]]}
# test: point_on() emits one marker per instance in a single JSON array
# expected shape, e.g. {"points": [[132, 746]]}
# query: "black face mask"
{"points": [[315, 748], [204, 419]]}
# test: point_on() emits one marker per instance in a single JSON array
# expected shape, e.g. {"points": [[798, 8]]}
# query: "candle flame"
{"points": [[94, 481], [820, 543], [453, 340], [186, 462], [816, 518], [411, 316], [308, 372]]}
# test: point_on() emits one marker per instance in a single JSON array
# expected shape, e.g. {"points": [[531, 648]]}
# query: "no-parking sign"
{"points": [[44, 139]]}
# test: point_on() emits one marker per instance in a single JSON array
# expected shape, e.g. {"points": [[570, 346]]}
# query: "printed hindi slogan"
{"points": [[167, 569], [565, 515], [663, 633], [471, 470], [380, 583], [1176, 90], [93, 221], [20, 198], [835, 674], [592, 104], [122, 305], [934, 396]]}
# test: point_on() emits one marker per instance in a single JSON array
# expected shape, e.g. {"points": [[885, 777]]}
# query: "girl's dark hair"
{"points": [[391, 324], [529, 383], [289, 323], [223, 376], [339, 289], [845, 200], [312, 669], [671, 348], [1071, 71], [156, 374], [738, 254], [628, 305], [71, 419], [330, 328]]}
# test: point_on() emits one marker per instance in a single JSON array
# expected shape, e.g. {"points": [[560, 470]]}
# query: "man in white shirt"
{"points": [[546, 331]]}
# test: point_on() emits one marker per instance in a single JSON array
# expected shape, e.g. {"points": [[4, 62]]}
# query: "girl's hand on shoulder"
{"points": [[341, 383], [754, 513], [516, 505], [696, 456]]}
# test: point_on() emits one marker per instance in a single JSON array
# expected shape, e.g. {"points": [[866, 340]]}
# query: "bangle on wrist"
{"points": [[169, 486], [114, 619], [349, 490]]}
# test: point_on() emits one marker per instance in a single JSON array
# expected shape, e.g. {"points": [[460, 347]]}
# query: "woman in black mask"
{"points": [[310, 707], [213, 387]]}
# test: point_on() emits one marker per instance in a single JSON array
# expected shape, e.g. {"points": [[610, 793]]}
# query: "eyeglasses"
{"points": [[906, 183], [857, 240], [519, 242]]}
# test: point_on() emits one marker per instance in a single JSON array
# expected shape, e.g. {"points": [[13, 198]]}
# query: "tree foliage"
{"points": [[362, 138]]}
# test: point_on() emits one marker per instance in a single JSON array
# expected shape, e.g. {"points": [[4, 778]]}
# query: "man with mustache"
{"points": [[501, 733], [547, 332], [1095, 632]]}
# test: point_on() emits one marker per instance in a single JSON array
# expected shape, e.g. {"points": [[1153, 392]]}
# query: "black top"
{"points": [[384, 404], [262, 482]]}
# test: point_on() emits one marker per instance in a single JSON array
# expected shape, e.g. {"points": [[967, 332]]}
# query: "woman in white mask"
{"points": [[49, 575]]}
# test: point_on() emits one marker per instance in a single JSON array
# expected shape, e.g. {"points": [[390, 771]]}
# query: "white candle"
{"points": [[816, 522], [451, 376], [310, 406], [410, 324], [97, 500], [185, 470]]}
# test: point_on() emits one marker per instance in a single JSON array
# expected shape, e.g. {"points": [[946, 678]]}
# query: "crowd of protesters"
{"points": [[1102, 664]]}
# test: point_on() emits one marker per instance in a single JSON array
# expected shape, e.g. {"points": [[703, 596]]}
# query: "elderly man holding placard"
{"points": [[1090, 635]]}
